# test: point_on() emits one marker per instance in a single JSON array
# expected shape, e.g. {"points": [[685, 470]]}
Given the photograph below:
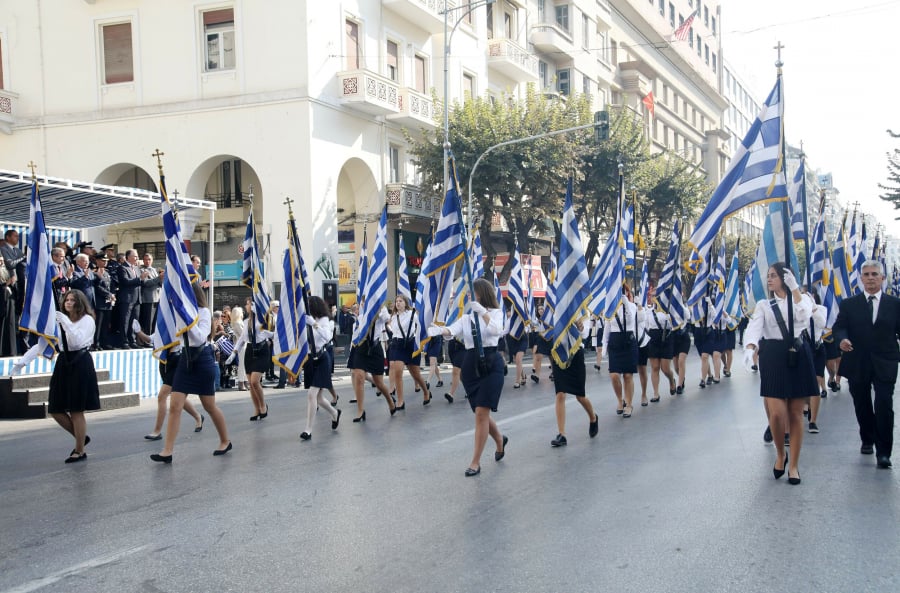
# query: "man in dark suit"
{"points": [[867, 330], [104, 298], [128, 297]]}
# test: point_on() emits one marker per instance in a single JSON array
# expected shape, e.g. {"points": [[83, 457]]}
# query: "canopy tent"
{"points": [[70, 206]]}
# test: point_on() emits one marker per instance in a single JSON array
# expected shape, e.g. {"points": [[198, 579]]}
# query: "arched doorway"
{"points": [[359, 203]]}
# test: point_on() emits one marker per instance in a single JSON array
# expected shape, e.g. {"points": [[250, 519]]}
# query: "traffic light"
{"points": [[601, 125]]}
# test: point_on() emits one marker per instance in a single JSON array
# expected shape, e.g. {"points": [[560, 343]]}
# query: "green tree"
{"points": [[892, 187]]}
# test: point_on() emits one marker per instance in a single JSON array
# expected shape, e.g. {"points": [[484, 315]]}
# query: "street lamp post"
{"points": [[469, 7]]}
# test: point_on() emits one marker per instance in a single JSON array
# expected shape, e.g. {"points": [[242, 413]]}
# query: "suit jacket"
{"points": [[151, 286], [876, 352], [103, 292], [129, 284], [84, 281]]}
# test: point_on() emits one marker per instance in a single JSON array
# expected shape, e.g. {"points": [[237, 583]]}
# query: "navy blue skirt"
{"points": [[783, 382], [819, 360], [370, 360], [456, 350], [400, 350], [196, 372], [681, 342], [832, 350], [514, 346], [483, 391], [623, 353], [730, 339], [543, 345], [167, 369], [73, 385], [660, 347], [434, 348], [571, 379], [317, 373]]}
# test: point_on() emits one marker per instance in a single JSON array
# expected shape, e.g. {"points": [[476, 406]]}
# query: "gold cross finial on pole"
{"points": [[157, 154], [175, 193], [250, 193], [288, 201], [778, 48], [31, 165]]}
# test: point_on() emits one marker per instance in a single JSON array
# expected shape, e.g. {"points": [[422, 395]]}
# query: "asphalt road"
{"points": [[680, 497]]}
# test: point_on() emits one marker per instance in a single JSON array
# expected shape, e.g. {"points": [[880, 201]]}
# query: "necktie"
{"points": [[872, 308]]}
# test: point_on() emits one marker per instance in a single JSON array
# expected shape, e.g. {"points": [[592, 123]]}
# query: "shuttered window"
{"points": [[393, 61], [352, 43], [118, 57], [420, 74]]}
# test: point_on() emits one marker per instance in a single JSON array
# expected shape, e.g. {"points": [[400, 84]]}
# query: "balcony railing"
{"points": [[426, 14], [416, 109], [8, 107], [551, 38], [510, 58], [409, 200], [368, 92]]}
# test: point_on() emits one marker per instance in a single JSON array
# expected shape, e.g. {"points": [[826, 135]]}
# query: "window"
{"points": [[1, 63], [542, 11], [714, 25], [218, 25], [714, 62], [585, 31], [586, 85], [393, 61], [420, 73], [671, 14], [351, 33], [468, 16], [543, 76], [562, 17], [394, 164], [706, 15], [469, 84], [706, 52], [563, 82], [490, 21], [662, 7], [118, 63], [699, 47], [691, 37], [508, 28], [614, 51]]}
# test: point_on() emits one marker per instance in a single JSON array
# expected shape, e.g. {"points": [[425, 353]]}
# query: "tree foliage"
{"points": [[892, 186]]}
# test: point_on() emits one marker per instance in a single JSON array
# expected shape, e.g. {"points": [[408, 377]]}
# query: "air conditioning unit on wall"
{"points": [[220, 235]]}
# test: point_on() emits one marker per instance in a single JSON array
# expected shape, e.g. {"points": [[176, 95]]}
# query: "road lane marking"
{"points": [[74, 570], [503, 422]]}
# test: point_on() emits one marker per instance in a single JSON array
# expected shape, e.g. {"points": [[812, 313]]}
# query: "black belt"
{"points": [[487, 349], [79, 351]]}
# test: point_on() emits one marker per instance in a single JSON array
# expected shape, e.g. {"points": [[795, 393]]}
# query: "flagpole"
{"points": [[785, 217], [805, 223]]}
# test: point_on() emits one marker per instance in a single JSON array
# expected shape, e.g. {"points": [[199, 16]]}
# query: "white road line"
{"points": [[503, 422], [74, 570]]}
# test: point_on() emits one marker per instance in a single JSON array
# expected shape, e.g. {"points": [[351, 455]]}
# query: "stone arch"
{"points": [[127, 175]]}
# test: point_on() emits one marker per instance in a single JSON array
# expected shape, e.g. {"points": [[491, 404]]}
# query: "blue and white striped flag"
{"points": [[570, 287], [665, 286], [645, 285], [291, 343], [732, 285], [819, 249], [717, 280], [628, 231], [477, 256], [615, 277], [797, 194], [362, 276], [754, 175], [700, 288], [860, 255], [177, 310], [403, 287], [549, 300], [770, 250], [515, 291], [39, 310], [598, 274], [252, 275], [375, 290], [841, 266], [499, 292], [675, 307], [529, 301]]}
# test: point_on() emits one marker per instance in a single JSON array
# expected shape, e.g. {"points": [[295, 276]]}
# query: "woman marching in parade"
{"points": [[404, 327], [368, 358], [481, 377], [787, 376], [620, 342], [73, 385], [254, 343], [196, 373], [661, 348], [571, 379], [317, 370]]}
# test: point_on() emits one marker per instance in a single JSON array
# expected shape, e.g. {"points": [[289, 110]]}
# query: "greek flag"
{"points": [[598, 277], [859, 252], [529, 301], [403, 287], [499, 292], [732, 286], [676, 302], [754, 175], [291, 343], [177, 310], [39, 310], [570, 287], [516, 294], [477, 256], [819, 250], [666, 283], [549, 300], [797, 194], [645, 285], [841, 267], [770, 250], [628, 230], [701, 283], [362, 275], [717, 280], [831, 300], [375, 290], [252, 276]]}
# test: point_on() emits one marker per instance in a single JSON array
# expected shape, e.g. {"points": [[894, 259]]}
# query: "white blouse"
{"points": [[261, 335], [654, 319], [627, 316], [322, 331], [763, 324], [490, 332], [404, 324], [79, 334]]}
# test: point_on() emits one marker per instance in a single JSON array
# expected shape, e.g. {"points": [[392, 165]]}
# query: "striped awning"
{"points": [[79, 205]]}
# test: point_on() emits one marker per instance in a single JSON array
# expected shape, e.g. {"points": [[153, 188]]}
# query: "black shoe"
{"points": [[597, 368], [702, 385], [428, 386], [151, 437], [363, 417], [254, 418], [449, 398], [780, 472], [161, 458], [427, 401], [75, 457], [334, 423], [336, 399], [884, 462], [353, 401], [199, 428], [620, 411], [754, 368], [218, 452], [794, 481], [439, 384], [654, 399], [726, 373], [535, 378], [305, 436], [787, 439], [278, 387], [806, 413], [594, 426], [680, 389], [559, 441], [824, 394], [767, 436], [402, 407], [264, 414], [867, 449], [498, 455], [626, 411], [813, 428], [472, 472], [645, 404]]}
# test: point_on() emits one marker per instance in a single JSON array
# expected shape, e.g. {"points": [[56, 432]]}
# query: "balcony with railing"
{"points": [[552, 39], [416, 109], [424, 13], [8, 106], [509, 58], [369, 92], [404, 199]]}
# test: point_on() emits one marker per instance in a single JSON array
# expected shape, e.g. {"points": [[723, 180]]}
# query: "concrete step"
{"points": [[24, 382], [38, 395], [110, 401], [115, 401]]}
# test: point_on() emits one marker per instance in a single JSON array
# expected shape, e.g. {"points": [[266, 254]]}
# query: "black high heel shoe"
{"points": [[449, 398], [223, 451], [498, 455], [161, 458], [401, 406], [794, 481], [334, 423], [264, 414], [780, 472], [363, 417]]}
